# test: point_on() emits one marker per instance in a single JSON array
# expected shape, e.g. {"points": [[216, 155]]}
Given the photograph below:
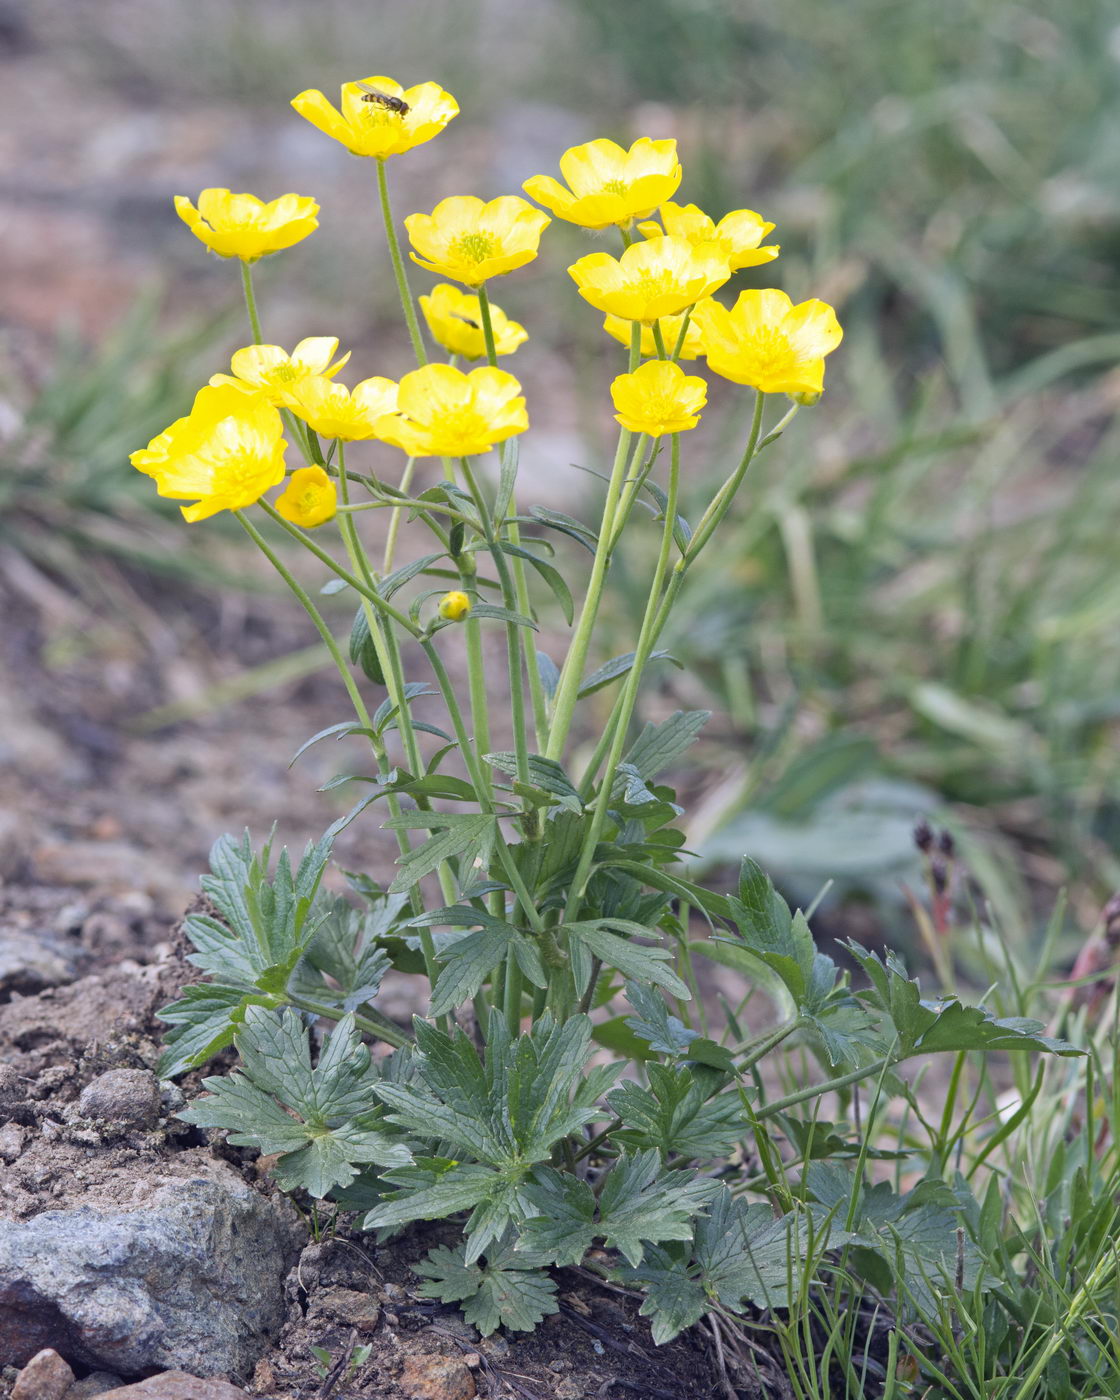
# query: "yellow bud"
{"points": [[454, 606]]}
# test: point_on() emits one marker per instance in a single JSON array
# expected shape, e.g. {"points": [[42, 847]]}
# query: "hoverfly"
{"points": [[383, 99]]}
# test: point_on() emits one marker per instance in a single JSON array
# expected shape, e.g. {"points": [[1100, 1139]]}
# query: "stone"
{"points": [[128, 1096], [15, 844], [358, 1310], [96, 1383], [12, 1139], [45, 1377], [29, 962], [173, 1272], [433, 1377], [178, 1385]]}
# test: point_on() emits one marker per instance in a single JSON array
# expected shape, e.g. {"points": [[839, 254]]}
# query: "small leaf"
{"points": [[502, 1292], [363, 653], [551, 575], [659, 745], [334, 1129], [616, 667], [566, 524], [633, 960], [549, 673], [491, 610]]}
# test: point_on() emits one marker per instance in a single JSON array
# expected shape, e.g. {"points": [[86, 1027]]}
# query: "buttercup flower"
{"points": [[275, 372], [737, 235], [368, 125], [767, 342], [658, 278], [309, 499], [608, 185], [470, 241], [670, 331], [442, 412], [455, 322], [454, 606], [334, 411], [243, 226], [659, 398], [227, 452]]}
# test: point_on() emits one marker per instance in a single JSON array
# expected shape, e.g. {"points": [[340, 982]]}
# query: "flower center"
{"points": [[616, 187], [769, 348], [283, 374], [472, 247]]}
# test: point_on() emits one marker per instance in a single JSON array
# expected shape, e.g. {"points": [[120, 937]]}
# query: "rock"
{"points": [[178, 1385], [12, 1139], [130, 1096], [15, 844], [182, 1272], [45, 1377], [31, 961], [434, 1377], [347, 1305], [96, 1383]]}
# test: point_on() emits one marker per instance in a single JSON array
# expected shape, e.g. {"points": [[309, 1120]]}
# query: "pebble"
{"points": [[130, 1096], [436, 1378], [45, 1377], [12, 1139]]}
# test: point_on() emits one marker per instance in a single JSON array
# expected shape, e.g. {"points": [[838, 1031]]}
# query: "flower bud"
{"points": [[454, 606]]}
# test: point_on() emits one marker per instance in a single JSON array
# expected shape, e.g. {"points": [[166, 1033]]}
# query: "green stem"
{"points": [[398, 266], [827, 1087], [522, 605], [374, 1024], [571, 673], [659, 341], [681, 335], [251, 304], [355, 583], [470, 755], [395, 519], [337, 657], [317, 618], [629, 695], [487, 325]]}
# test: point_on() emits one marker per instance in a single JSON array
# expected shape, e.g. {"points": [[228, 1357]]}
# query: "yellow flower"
{"points": [[767, 342], [659, 398], [338, 412], [442, 412], [243, 226], [608, 185], [670, 330], [469, 241], [659, 278], [309, 499], [737, 235], [375, 127], [227, 452], [455, 322], [276, 373], [454, 606]]}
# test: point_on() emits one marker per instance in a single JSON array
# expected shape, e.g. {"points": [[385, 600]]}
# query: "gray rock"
{"points": [[129, 1096], [31, 961], [188, 1278]]}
